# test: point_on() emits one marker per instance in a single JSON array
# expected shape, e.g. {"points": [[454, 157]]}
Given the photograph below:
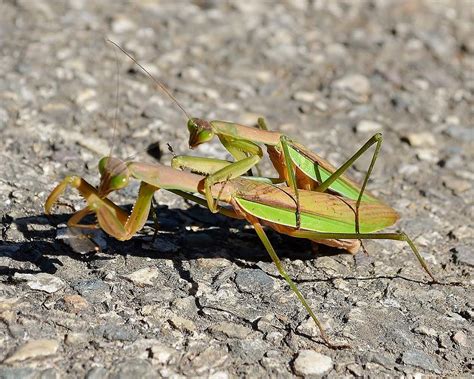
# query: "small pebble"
{"points": [[307, 97], [117, 332], [274, 338], [94, 290], [219, 375], [253, 281], [75, 303], [230, 330], [356, 370], [421, 84], [465, 134], [460, 338], [424, 330], [422, 139], [162, 353], [122, 25], [96, 373], [408, 169], [34, 349], [355, 87], [249, 350], [321, 106], [368, 126], [452, 120], [85, 95], [462, 232], [464, 254], [182, 323], [74, 339], [41, 282], [419, 358], [132, 368], [308, 328], [457, 185], [427, 155], [210, 263], [310, 362], [143, 277]]}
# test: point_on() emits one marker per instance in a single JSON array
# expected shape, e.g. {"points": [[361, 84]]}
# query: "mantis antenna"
{"points": [[117, 97], [157, 82]]}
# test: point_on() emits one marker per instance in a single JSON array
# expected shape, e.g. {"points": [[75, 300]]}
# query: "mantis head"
{"points": [[114, 175], [200, 131]]}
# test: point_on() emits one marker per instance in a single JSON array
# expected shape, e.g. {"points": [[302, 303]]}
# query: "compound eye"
{"points": [[204, 136], [102, 164], [192, 126], [118, 182]]}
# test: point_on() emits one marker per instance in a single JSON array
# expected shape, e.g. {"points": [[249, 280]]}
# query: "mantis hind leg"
{"points": [[268, 246], [284, 167], [291, 174], [326, 184], [375, 139], [316, 236]]}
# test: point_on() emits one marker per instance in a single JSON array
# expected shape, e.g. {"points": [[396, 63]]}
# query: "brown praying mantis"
{"points": [[323, 216], [329, 207], [296, 165]]}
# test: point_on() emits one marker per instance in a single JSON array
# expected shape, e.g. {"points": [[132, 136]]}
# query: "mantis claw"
{"points": [[58, 191]]}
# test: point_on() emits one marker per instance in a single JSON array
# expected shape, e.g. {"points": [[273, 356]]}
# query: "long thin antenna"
{"points": [[117, 98], [157, 82]]}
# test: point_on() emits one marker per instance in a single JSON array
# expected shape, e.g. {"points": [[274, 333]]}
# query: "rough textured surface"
{"points": [[210, 303]]}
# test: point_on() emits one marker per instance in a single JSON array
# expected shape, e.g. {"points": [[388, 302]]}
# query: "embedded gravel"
{"points": [[204, 300]]}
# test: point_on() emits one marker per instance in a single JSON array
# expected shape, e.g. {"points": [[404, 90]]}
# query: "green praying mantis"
{"points": [[323, 216], [296, 165], [329, 207]]}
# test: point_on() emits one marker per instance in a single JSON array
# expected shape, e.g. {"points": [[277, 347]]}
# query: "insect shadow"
{"points": [[182, 235]]}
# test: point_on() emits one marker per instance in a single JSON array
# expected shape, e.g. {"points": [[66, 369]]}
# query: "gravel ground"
{"points": [[204, 299]]}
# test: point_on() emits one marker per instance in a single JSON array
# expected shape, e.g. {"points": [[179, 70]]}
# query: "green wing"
{"points": [[319, 170], [320, 212]]}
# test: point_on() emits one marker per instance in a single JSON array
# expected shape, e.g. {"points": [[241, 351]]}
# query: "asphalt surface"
{"points": [[204, 300]]}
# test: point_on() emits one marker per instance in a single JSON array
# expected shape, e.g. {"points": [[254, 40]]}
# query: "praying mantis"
{"points": [[329, 207], [260, 202], [296, 165]]}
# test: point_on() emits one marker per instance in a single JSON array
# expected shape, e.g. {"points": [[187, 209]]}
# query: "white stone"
{"points": [[460, 338], [307, 97], [310, 362], [321, 106], [420, 139], [162, 353], [33, 349], [122, 25], [430, 332], [41, 282], [309, 328], [427, 155], [85, 96], [219, 375], [143, 277], [452, 120], [368, 126], [356, 86]]}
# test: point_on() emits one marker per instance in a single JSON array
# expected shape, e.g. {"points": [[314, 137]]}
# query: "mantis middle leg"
{"points": [[271, 251]]}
